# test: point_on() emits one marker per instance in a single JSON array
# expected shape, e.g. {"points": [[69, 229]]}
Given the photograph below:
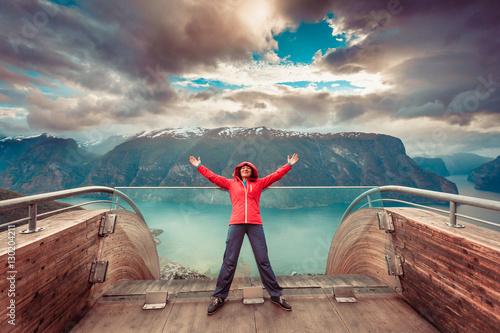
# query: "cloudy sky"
{"points": [[425, 71]]}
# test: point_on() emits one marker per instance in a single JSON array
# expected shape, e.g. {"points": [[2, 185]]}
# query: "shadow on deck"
{"points": [[314, 308]]}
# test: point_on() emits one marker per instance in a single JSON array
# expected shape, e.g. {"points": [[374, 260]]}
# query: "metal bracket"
{"points": [[98, 271], [253, 295], [454, 225], [394, 264], [108, 223], [385, 221], [155, 300], [28, 231], [344, 294]]}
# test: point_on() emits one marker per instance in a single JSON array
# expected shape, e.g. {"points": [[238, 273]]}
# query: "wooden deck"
{"points": [[314, 308]]}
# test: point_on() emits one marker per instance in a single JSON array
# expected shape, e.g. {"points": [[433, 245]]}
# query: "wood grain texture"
{"points": [[314, 309], [359, 247], [53, 266], [451, 276], [131, 253], [52, 288]]}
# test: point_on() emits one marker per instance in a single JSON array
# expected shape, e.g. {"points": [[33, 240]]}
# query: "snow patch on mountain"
{"points": [[22, 137], [176, 132]]}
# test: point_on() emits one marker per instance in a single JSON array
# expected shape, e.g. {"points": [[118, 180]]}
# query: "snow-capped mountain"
{"points": [[161, 158]]}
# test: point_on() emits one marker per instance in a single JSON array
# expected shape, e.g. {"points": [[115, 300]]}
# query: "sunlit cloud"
{"points": [[12, 112]]}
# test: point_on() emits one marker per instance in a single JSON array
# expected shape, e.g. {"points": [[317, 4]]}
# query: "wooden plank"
{"points": [[255, 281], [314, 310], [119, 288], [297, 281], [124, 317], [137, 287], [374, 314], [129, 288], [401, 316], [309, 314], [200, 285], [356, 280], [191, 316]]}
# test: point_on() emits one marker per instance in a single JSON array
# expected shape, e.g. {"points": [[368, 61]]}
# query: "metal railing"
{"points": [[453, 199], [33, 200]]}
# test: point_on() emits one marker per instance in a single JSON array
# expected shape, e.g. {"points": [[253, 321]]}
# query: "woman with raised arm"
{"points": [[245, 190]]}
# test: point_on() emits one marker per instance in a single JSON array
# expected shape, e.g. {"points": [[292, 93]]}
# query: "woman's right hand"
{"points": [[194, 161]]}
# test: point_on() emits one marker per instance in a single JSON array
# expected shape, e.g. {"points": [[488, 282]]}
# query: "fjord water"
{"points": [[194, 236], [467, 188], [195, 226]]}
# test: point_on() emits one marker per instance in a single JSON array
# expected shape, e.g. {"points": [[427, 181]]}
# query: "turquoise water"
{"points": [[194, 235], [298, 239], [467, 188]]}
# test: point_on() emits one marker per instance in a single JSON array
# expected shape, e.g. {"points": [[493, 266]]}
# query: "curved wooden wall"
{"points": [[359, 247], [131, 252], [451, 276], [52, 267]]}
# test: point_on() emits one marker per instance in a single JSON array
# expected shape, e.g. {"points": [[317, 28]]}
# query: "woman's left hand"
{"points": [[294, 159]]}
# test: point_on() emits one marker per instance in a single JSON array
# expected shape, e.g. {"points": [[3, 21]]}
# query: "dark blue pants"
{"points": [[235, 236]]}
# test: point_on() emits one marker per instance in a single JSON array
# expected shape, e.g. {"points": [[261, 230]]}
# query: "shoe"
{"points": [[281, 301], [217, 302]]}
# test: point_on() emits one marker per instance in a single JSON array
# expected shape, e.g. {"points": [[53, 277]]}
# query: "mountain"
{"points": [[161, 158], [463, 163], [487, 176], [99, 147], [13, 148], [145, 160], [434, 165], [49, 165]]}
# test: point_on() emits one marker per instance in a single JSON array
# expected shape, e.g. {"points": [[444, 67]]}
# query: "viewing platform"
{"points": [[409, 270], [314, 308]]}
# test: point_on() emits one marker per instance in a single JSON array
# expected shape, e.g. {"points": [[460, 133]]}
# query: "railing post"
{"points": [[453, 216], [453, 213], [369, 199], [32, 221], [117, 203]]}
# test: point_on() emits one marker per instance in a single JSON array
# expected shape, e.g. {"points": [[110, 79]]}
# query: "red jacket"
{"points": [[245, 200]]}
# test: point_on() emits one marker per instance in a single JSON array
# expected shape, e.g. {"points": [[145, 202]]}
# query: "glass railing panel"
{"points": [[98, 201], [482, 217], [369, 198], [191, 226]]}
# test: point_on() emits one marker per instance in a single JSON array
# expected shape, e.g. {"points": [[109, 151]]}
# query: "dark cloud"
{"points": [[299, 10], [289, 109], [435, 55], [260, 105], [207, 94], [127, 48], [435, 59], [350, 111], [237, 118], [133, 37]]}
